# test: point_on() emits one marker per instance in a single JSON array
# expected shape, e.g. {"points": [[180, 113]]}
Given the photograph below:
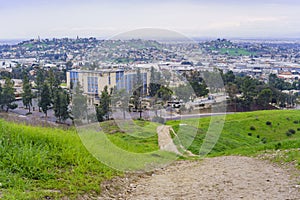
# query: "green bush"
{"points": [[268, 123], [288, 134], [277, 146], [252, 128], [292, 131]]}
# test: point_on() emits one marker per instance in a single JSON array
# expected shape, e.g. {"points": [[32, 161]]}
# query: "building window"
{"points": [[93, 85], [74, 77]]}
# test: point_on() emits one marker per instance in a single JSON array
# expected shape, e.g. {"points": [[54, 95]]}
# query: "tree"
{"points": [[79, 104], [53, 83], [120, 99], [40, 79], [69, 65], [1, 95], [228, 77], [184, 92], [200, 89], [155, 80], [136, 98], [213, 81], [45, 102], [264, 98], [104, 107], [61, 104], [197, 83], [232, 90], [27, 93], [278, 83], [248, 88], [164, 93], [139, 81], [8, 95]]}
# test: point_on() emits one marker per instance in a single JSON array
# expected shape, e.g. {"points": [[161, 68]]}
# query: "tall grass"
{"points": [[46, 162]]}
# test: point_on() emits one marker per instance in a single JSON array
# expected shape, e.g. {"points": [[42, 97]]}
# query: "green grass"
{"points": [[39, 162], [237, 136], [36, 162], [235, 52], [131, 146]]}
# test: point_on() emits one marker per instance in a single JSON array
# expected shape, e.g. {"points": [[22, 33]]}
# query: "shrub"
{"points": [[296, 122], [258, 136], [264, 140], [288, 134], [250, 134], [292, 131], [277, 146], [298, 129], [252, 128], [268, 123], [288, 119]]}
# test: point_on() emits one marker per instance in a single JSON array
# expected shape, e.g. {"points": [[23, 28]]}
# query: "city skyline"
{"points": [[91, 18]]}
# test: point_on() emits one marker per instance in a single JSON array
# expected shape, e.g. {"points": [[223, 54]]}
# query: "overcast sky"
{"points": [[212, 18]]}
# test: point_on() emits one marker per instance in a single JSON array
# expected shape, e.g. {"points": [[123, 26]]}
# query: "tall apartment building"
{"points": [[93, 82]]}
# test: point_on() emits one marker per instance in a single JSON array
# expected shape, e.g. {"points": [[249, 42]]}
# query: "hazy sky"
{"points": [[211, 18]]}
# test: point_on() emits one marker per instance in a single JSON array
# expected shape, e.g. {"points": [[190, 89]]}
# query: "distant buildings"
{"points": [[93, 82]]}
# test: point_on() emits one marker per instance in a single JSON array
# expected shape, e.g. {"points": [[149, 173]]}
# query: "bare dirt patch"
{"points": [[228, 177]]}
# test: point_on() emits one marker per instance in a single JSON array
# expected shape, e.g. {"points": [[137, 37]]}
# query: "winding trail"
{"points": [[165, 141]]}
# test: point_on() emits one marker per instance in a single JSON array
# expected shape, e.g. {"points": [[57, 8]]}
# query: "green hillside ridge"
{"points": [[247, 133]]}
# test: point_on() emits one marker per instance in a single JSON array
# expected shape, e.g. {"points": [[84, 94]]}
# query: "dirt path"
{"points": [[230, 177], [165, 141]]}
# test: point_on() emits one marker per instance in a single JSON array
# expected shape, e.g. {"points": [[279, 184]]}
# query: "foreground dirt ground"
{"points": [[228, 177]]}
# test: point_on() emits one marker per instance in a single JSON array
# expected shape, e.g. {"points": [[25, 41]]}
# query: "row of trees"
{"points": [[50, 94], [248, 93]]}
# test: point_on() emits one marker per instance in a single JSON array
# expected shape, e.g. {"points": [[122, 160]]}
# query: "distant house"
{"points": [[286, 75]]}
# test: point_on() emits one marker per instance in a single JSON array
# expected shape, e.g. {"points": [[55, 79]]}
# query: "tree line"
{"points": [[248, 93]]}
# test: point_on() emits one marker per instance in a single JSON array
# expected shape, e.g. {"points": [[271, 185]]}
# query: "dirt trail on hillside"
{"points": [[165, 141], [229, 177]]}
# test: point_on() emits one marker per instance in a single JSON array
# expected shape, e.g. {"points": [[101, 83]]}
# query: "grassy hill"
{"points": [[247, 133], [36, 162]]}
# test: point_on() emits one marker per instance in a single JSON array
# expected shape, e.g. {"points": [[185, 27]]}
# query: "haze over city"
{"points": [[229, 19]]}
